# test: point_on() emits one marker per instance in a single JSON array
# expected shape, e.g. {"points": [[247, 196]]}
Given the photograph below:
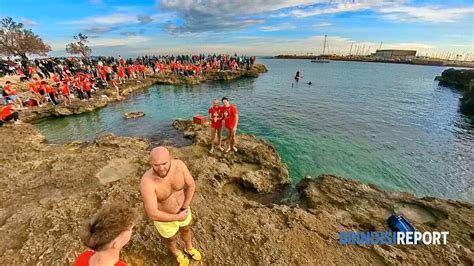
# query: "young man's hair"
{"points": [[109, 222], [8, 82], [224, 98]]}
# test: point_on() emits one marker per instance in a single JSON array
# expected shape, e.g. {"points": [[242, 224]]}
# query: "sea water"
{"points": [[385, 124]]}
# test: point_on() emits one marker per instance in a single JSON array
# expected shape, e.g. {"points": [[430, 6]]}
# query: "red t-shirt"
{"points": [[6, 111], [9, 90], [39, 86], [33, 87], [216, 112], [56, 77], [65, 89], [230, 114], [83, 259], [49, 89]]}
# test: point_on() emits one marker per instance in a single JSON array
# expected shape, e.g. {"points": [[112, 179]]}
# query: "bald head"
{"points": [[160, 161]]}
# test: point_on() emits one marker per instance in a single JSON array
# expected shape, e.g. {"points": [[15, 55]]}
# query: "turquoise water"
{"points": [[386, 124]]}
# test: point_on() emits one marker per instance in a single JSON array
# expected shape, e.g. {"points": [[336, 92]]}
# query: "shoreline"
{"points": [[359, 59], [254, 214], [33, 114]]}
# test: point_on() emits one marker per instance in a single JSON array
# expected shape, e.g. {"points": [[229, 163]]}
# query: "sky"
{"points": [[252, 27]]}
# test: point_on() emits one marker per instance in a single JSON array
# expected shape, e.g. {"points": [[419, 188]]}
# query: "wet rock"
{"points": [[131, 115]]}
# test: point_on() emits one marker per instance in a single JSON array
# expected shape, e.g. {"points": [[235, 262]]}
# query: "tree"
{"points": [[17, 41], [80, 46]]}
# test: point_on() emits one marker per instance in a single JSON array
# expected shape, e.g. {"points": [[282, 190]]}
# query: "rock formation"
{"points": [[131, 115], [245, 209], [463, 80]]}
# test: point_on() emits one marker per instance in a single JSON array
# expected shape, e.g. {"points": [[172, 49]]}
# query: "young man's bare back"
{"points": [[167, 189]]}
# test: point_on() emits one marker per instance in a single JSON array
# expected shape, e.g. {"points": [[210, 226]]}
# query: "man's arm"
{"points": [[151, 206], [190, 186]]}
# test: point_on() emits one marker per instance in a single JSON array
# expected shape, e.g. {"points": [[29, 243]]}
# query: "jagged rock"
{"points": [[462, 79], [48, 190], [130, 115]]}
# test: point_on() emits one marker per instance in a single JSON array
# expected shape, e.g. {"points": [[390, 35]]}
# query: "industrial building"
{"points": [[395, 54]]}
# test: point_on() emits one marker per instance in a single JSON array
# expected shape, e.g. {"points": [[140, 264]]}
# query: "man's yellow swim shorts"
{"points": [[169, 229]]}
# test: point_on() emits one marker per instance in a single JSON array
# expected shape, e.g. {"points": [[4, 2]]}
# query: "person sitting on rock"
{"points": [[106, 234], [167, 190], [8, 113], [10, 93]]}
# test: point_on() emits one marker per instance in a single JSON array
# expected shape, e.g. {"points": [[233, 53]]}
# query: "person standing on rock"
{"points": [[231, 117], [215, 115], [167, 190]]}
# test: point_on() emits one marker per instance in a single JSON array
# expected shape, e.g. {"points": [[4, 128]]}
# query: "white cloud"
{"points": [[111, 19], [220, 15], [283, 26], [321, 25], [334, 7], [28, 22], [425, 13]]}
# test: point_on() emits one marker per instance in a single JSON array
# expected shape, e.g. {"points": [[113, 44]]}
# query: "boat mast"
{"points": [[324, 49]]}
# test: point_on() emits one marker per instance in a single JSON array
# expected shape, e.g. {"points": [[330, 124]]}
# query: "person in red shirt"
{"points": [[77, 84], [130, 72], [87, 87], [215, 115], [8, 112], [11, 94], [51, 92], [66, 93], [141, 68], [231, 117], [56, 78], [115, 85], [121, 74], [106, 234]]}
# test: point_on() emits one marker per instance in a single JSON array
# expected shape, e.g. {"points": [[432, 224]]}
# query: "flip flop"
{"points": [[194, 253], [182, 260]]}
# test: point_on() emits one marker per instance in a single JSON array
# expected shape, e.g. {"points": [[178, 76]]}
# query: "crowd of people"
{"points": [[168, 187], [60, 80]]}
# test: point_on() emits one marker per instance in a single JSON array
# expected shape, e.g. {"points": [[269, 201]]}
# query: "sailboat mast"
{"points": [[324, 49]]}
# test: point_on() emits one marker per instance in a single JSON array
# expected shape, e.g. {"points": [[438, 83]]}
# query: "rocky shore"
{"points": [[463, 80], [246, 211], [105, 96]]}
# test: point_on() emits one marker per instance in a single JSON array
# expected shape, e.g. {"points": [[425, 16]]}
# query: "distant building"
{"points": [[395, 54]]}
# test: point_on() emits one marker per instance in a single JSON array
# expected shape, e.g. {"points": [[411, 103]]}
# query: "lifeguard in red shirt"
{"points": [[231, 118], [215, 115]]}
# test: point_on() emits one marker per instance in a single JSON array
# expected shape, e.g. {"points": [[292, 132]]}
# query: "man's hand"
{"points": [[182, 215]]}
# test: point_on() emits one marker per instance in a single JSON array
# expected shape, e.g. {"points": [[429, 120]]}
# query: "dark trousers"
{"points": [[11, 116], [80, 94], [53, 99]]}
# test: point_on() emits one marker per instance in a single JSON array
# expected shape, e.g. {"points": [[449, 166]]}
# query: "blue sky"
{"points": [[254, 27]]}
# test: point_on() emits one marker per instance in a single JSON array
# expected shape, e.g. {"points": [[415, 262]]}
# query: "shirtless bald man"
{"points": [[167, 189]]}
